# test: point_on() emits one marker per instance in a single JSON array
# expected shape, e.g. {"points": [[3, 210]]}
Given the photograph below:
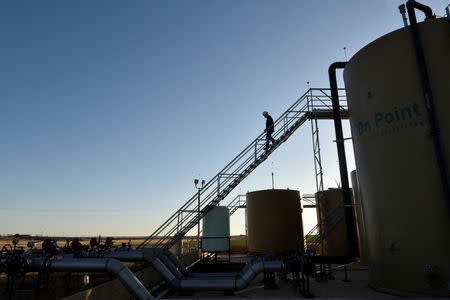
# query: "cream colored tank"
{"points": [[216, 230], [274, 221], [406, 215]]}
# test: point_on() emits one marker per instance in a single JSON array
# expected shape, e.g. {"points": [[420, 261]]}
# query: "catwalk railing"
{"points": [[315, 101]]}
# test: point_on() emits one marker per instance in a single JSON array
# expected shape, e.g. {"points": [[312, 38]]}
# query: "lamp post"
{"points": [[199, 189]]}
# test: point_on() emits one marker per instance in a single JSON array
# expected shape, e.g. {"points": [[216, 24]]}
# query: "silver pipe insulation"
{"points": [[109, 265], [177, 263], [167, 258], [232, 283], [173, 271]]}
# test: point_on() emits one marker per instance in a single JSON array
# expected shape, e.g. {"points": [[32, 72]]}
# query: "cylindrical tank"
{"points": [[405, 211], [357, 202], [330, 213], [274, 221], [216, 230]]}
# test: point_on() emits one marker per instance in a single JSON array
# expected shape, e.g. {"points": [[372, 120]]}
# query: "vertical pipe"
{"points": [[198, 225], [348, 209], [402, 9], [428, 95]]}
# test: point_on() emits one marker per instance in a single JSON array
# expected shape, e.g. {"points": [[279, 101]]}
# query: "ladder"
{"points": [[317, 235], [315, 101]]}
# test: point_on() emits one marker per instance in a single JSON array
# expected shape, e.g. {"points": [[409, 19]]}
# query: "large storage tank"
{"points": [[405, 211], [331, 212], [216, 230], [274, 221], [360, 228]]}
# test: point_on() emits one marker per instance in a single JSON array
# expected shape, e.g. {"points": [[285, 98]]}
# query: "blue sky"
{"points": [[110, 109]]}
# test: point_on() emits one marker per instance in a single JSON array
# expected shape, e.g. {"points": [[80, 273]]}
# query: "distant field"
{"points": [[237, 243]]}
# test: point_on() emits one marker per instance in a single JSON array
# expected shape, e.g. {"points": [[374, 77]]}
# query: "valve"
{"points": [[6, 250], [16, 264], [76, 245], [30, 245], [48, 246], [93, 242], [109, 243]]}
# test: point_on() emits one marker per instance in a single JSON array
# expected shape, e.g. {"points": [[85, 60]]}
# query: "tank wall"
{"points": [[274, 220], [216, 230], [360, 228], [406, 215]]}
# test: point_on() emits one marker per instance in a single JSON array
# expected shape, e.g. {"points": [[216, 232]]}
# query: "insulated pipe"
{"points": [[428, 95], [348, 208], [239, 281], [221, 274], [125, 255], [177, 263], [165, 273], [166, 257], [232, 284], [166, 261], [112, 266]]}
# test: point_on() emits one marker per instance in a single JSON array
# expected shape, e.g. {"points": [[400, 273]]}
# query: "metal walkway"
{"points": [[313, 104]]}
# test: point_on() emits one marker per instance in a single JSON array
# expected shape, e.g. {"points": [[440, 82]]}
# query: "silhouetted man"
{"points": [[269, 129]]}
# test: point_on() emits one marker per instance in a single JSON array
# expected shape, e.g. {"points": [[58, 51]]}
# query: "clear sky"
{"points": [[110, 109]]}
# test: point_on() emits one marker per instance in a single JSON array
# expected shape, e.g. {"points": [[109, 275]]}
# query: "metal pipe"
{"points": [[402, 9], [171, 269], [166, 261], [177, 263], [348, 209], [411, 4], [112, 266], [125, 255], [428, 95], [239, 281], [165, 273]]}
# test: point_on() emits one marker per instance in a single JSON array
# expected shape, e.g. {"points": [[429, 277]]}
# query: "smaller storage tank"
{"points": [[331, 212], [216, 230], [274, 221]]}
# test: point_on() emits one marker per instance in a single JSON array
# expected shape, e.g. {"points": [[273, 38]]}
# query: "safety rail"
{"points": [[317, 100], [317, 234], [238, 202]]}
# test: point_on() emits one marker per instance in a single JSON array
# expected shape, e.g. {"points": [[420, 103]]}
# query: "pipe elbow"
{"points": [[336, 65], [176, 284], [411, 4], [114, 266], [240, 284], [128, 279]]}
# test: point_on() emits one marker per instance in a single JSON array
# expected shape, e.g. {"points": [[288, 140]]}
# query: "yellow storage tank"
{"points": [[405, 211], [331, 212], [274, 221]]}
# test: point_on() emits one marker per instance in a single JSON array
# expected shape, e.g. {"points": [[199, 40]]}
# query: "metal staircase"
{"points": [[316, 102], [238, 202], [317, 235]]}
